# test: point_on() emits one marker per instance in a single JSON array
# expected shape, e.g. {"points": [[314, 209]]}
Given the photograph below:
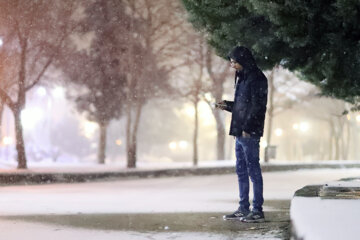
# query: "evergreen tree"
{"points": [[319, 39], [98, 70]]}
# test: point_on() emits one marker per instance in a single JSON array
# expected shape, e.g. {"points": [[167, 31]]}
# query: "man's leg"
{"points": [[251, 149], [243, 177]]}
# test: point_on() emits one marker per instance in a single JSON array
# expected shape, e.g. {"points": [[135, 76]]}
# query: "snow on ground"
{"points": [[352, 184], [175, 194], [216, 193]]}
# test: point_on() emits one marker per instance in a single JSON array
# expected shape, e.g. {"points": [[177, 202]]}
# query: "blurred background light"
{"points": [[304, 126], [358, 118], [30, 117], [278, 132], [41, 91], [183, 145], [173, 145], [89, 128], [7, 140], [58, 92]]}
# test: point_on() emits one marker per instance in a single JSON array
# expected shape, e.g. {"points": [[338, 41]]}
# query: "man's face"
{"points": [[235, 65]]}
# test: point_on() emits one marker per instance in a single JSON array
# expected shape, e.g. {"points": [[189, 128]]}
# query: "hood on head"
{"points": [[243, 56]]}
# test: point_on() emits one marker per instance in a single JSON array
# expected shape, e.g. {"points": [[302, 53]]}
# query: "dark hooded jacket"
{"points": [[249, 105]]}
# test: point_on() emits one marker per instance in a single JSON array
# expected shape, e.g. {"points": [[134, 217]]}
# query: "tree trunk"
{"points": [[1, 114], [270, 114], [102, 143], [130, 144], [335, 140], [217, 91], [345, 140], [220, 142], [331, 140], [20, 145], [337, 148], [195, 143], [131, 135]]}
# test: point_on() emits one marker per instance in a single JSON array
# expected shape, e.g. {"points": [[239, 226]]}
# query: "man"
{"points": [[247, 125]]}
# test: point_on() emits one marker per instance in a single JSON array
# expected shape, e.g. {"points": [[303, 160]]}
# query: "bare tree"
{"points": [[195, 91], [8, 72], [332, 111], [285, 92], [218, 71], [156, 37], [35, 30]]}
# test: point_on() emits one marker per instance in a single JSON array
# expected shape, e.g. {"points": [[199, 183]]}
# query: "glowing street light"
{"points": [[183, 145], [58, 92], [1, 42], [263, 143], [41, 91], [358, 118], [7, 140], [89, 128], [278, 132], [118, 142], [173, 145], [189, 111], [31, 116], [304, 126]]}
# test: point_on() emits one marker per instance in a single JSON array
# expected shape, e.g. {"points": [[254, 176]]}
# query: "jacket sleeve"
{"points": [[259, 90], [229, 106]]}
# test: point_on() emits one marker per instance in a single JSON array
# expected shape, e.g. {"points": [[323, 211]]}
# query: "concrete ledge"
{"points": [[330, 211], [308, 191]]}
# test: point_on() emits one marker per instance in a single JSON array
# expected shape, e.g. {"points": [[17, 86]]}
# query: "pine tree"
{"points": [[99, 69], [319, 39]]}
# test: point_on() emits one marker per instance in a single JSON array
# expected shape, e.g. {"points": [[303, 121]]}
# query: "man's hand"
{"points": [[222, 105], [245, 134]]}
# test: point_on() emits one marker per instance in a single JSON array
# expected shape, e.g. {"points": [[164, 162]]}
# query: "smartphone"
{"points": [[218, 105]]}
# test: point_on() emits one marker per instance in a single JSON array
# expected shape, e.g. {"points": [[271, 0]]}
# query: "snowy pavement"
{"points": [[44, 209]]}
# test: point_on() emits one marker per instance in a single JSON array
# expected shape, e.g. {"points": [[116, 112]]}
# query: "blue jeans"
{"points": [[247, 164]]}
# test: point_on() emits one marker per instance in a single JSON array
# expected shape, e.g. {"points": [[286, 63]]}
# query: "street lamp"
{"points": [[173, 145], [41, 91], [278, 132], [7, 141], [183, 145], [31, 116], [358, 118], [118, 142], [304, 126], [58, 92]]}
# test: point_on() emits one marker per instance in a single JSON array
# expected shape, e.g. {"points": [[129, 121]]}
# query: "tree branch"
{"points": [[6, 99]]}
